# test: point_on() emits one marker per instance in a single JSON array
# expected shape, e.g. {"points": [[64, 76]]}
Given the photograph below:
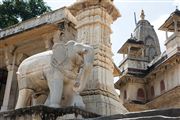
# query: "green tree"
{"points": [[8, 16], [14, 11]]}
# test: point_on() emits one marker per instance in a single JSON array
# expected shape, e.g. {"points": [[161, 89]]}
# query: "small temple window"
{"points": [[140, 94], [162, 86], [125, 94], [152, 91]]}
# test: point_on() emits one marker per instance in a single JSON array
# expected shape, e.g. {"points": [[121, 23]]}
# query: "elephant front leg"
{"points": [[71, 97], [24, 98], [56, 89]]}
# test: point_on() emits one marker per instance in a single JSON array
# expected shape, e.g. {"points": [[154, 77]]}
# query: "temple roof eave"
{"points": [[107, 4], [168, 25], [130, 42]]}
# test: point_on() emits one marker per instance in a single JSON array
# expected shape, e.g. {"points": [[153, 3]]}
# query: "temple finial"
{"points": [[142, 15]]}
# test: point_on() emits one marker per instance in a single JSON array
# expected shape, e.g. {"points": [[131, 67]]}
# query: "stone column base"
{"points": [[103, 105]]}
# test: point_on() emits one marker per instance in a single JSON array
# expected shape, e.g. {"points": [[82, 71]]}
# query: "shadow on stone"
{"points": [[46, 113]]}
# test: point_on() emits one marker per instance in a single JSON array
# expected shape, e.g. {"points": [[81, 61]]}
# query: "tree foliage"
{"points": [[14, 11]]}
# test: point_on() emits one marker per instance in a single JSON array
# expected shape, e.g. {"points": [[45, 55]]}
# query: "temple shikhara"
{"points": [[149, 80]]}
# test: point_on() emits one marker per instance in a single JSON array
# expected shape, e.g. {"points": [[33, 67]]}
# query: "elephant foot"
{"points": [[24, 98], [55, 105], [78, 101]]}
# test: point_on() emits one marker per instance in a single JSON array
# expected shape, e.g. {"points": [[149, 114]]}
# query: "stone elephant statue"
{"points": [[55, 77]]}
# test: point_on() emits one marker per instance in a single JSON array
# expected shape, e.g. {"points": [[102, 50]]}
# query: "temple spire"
{"points": [[142, 15]]}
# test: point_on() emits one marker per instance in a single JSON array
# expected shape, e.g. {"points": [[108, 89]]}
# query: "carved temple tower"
{"points": [[94, 18], [145, 32]]}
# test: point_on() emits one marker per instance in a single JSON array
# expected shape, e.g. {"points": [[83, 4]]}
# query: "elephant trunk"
{"points": [[85, 73], [86, 69]]}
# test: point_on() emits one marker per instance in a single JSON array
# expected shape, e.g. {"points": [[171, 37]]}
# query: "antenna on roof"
{"points": [[135, 19], [176, 7]]}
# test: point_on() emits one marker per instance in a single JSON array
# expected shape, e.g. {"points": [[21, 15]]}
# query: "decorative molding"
{"points": [[99, 92]]}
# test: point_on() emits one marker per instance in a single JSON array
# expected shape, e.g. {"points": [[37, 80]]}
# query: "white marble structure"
{"points": [[94, 18], [151, 80]]}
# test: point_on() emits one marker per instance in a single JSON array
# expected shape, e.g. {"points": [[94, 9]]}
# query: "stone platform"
{"points": [[47, 113]]}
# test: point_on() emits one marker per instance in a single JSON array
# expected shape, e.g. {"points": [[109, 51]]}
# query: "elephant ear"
{"points": [[59, 54]]}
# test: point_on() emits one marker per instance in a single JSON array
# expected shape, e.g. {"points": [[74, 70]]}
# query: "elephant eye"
{"points": [[85, 51]]}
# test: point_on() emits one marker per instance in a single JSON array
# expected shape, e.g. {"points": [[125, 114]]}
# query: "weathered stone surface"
{"points": [[50, 77], [48, 18], [46, 113], [93, 27]]}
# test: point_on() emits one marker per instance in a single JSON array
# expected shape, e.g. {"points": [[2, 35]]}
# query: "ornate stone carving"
{"points": [[94, 18], [55, 77]]}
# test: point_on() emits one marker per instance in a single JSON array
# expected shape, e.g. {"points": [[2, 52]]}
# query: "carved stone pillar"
{"points": [[93, 27], [175, 26], [11, 84], [11, 91], [10, 95]]}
